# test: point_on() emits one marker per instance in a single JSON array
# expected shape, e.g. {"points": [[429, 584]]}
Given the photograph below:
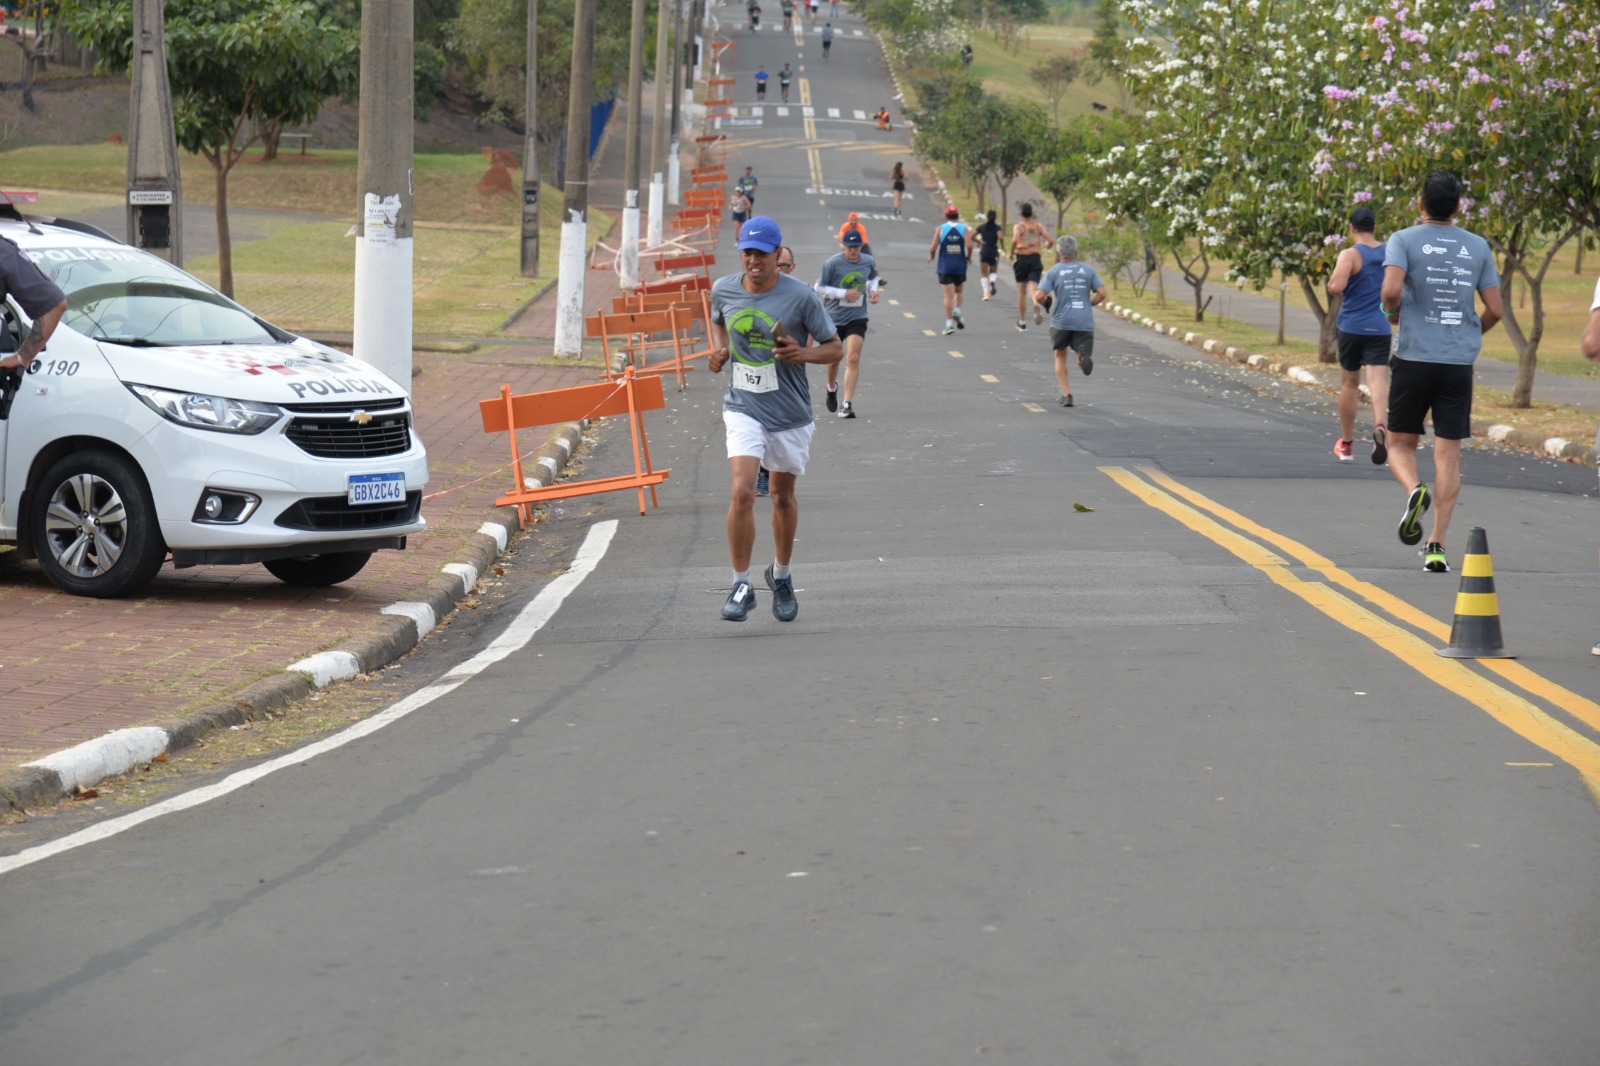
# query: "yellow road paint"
{"points": [[908, 314], [1504, 706], [1584, 710], [989, 379], [805, 91], [1035, 408], [1530, 764], [957, 355], [929, 333], [894, 303]]}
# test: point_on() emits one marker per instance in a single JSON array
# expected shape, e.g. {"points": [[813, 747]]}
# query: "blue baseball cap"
{"points": [[760, 234], [852, 239]]}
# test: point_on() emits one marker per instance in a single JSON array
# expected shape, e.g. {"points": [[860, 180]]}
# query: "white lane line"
{"points": [[522, 629]]}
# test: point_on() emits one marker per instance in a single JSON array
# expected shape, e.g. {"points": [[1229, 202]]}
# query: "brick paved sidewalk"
{"points": [[197, 635]]}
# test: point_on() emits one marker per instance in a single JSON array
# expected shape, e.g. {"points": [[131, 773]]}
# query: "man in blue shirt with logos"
{"points": [[1432, 274], [766, 326], [1071, 290]]}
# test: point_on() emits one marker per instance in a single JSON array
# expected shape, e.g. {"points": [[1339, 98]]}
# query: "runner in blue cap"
{"points": [[766, 326]]}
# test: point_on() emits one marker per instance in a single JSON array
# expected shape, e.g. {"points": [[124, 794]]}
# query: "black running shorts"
{"points": [[1415, 388], [952, 279], [1027, 268], [858, 328], [1357, 350], [1079, 340]]}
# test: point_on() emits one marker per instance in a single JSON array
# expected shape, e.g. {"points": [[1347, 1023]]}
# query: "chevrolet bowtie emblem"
{"points": [[360, 418]]}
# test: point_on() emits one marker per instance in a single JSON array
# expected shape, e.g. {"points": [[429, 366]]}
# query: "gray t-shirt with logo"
{"points": [[1446, 267], [839, 273], [749, 317], [1071, 283]]}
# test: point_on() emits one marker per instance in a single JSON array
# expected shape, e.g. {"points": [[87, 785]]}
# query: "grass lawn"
{"points": [[467, 249]]}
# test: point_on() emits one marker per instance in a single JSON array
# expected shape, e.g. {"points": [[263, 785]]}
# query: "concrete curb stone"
{"points": [[1522, 439], [398, 629]]}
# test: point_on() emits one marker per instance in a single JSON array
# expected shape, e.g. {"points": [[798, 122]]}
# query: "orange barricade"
{"points": [[703, 262], [693, 198], [696, 301], [638, 328], [630, 396], [690, 282]]}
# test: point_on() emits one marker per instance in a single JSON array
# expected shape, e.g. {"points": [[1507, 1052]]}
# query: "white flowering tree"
{"points": [[1230, 93], [1505, 95]]}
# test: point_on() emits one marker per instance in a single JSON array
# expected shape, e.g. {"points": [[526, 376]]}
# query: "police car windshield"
{"points": [[127, 296]]}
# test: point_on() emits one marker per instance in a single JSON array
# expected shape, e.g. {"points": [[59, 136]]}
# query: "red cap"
{"points": [[952, 212]]}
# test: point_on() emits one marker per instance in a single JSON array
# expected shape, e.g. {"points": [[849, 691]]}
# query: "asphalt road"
{"points": [[1174, 780]]}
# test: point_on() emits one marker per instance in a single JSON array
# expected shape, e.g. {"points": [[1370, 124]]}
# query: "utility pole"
{"points": [[630, 169], [155, 186], [658, 130], [575, 208], [384, 181], [530, 152], [676, 89]]}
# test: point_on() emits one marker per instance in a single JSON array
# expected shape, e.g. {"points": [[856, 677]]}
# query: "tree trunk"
{"points": [[269, 131], [1526, 342], [1005, 196], [224, 238], [1327, 321], [1195, 280]]}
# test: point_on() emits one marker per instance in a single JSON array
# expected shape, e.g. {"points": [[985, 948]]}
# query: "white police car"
{"points": [[165, 419]]}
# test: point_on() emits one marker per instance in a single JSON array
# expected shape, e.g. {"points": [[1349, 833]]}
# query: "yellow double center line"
{"points": [[813, 157], [1504, 706]]}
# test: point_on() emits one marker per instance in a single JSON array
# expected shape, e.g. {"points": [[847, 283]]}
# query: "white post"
{"points": [[629, 269], [672, 174], [382, 318], [658, 207], [569, 286]]}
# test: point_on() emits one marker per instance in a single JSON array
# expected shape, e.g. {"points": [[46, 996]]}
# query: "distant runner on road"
{"points": [[990, 242], [827, 34], [847, 283], [953, 250], [1028, 239], [1071, 290], [1364, 336]]}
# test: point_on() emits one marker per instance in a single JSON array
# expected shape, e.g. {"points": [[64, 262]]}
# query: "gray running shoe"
{"points": [[740, 600], [785, 608]]}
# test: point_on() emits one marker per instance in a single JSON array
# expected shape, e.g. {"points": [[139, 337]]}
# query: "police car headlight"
{"points": [[209, 412]]}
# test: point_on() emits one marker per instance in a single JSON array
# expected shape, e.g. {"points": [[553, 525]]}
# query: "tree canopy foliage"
{"points": [[235, 66]]}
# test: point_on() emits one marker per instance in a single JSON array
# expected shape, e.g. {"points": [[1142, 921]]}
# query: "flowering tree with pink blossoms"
{"points": [[1231, 119], [1507, 96]]}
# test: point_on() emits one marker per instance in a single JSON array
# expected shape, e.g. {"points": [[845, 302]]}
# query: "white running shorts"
{"points": [[783, 450]]}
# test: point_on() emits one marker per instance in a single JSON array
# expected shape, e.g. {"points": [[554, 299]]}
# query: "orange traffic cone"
{"points": [[1476, 632]]}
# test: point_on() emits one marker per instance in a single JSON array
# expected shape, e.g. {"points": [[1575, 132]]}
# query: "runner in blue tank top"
{"points": [[953, 247], [1363, 336]]}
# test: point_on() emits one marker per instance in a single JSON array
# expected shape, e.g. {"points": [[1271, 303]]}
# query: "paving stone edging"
{"points": [[1524, 439], [398, 629]]}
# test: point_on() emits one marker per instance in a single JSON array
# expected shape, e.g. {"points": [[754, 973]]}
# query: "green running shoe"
{"points": [[1433, 560], [1411, 522]]}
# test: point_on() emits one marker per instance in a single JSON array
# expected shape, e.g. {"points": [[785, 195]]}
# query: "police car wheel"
{"points": [[94, 526], [315, 571]]}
